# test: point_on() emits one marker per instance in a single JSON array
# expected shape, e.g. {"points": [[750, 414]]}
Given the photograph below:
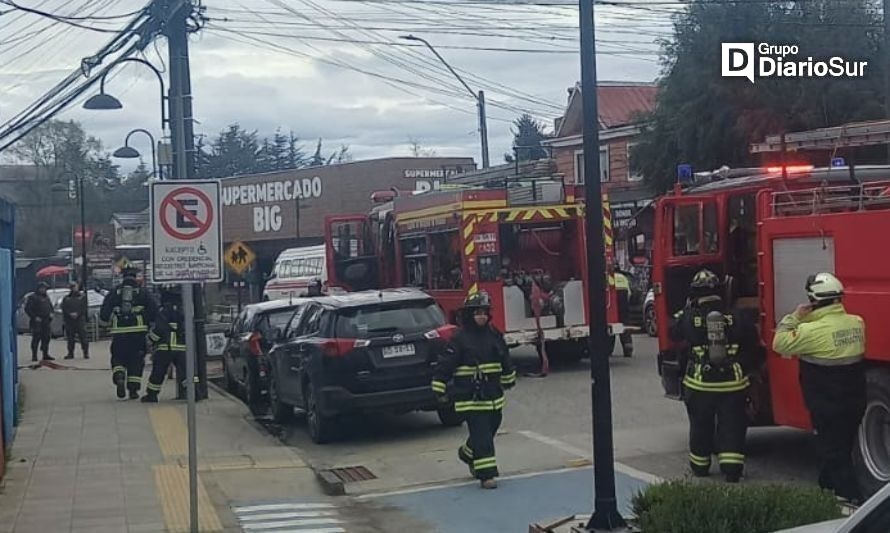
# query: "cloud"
{"points": [[264, 90]]}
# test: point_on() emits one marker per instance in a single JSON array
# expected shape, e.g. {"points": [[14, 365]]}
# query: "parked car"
{"points": [[650, 326], [360, 352], [872, 517], [246, 353], [57, 327]]}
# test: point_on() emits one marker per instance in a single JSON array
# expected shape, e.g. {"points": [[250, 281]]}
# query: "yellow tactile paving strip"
{"points": [[170, 430], [172, 482]]}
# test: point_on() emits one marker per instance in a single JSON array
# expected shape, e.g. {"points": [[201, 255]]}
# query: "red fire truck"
{"points": [[766, 230], [523, 243]]}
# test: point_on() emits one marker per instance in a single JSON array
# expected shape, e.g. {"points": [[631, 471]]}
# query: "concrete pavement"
{"points": [[83, 461]]}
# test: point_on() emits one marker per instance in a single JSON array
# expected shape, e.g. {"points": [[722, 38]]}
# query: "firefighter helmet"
{"points": [[130, 271], [704, 283], [824, 287], [478, 300]]}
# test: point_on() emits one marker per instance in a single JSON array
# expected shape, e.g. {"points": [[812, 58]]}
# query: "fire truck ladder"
{"points": [[823, 200], [845, 136]]}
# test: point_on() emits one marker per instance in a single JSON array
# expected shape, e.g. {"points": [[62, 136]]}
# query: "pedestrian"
{"points": [[39, 309], [168, 337], [830, 344], [715, 356], [473, 372], [622, 287], [128, 309], [75, 309]]}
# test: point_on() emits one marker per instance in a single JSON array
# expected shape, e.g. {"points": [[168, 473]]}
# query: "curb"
{"points": [[331, 485]]}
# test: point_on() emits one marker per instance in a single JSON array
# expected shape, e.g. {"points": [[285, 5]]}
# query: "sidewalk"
{"points": [[83, 461]]}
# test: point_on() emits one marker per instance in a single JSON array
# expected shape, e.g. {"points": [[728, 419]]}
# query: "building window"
{"points": [[631, 175], [604, 165]]}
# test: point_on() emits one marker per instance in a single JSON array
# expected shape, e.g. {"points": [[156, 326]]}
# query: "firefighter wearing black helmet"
{"points": [[716, 381], [473, 372], [168, 337], [128, 310]]}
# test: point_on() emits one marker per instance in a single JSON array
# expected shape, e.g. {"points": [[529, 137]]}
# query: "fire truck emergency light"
{"points": [[791, 169]]}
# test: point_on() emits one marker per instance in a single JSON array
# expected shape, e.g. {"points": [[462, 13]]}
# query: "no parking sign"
{"points": [[186, 239]]}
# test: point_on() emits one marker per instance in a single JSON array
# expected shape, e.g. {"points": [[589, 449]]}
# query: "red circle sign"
{"points": [[199, 227]]}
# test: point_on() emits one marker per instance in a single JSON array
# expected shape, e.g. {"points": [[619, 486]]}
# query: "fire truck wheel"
{"points": [[871, 455], [449, 417]]}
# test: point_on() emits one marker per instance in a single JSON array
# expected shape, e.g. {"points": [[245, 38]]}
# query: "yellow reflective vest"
{"points": [[828, 336], [621, 282]]}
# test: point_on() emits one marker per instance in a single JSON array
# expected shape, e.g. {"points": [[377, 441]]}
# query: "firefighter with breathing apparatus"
{"points": [[473, 372], [128, 310], [716, 381], [168, 337], [831, 345]]}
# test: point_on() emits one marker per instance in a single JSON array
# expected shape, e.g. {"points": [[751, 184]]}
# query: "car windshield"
{"points": [[408, 317]]}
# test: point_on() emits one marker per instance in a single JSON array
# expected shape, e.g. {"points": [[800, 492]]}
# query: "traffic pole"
{"points": [[605, 515], [177, 38]]}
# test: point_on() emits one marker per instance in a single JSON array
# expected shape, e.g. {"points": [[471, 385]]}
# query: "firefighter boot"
{"points": [[134, 394], [150, 397], [120, 384]]}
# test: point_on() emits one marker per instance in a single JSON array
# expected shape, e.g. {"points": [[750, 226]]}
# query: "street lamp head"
{"points": [[102, 101], [126, 152], [409, 37]]}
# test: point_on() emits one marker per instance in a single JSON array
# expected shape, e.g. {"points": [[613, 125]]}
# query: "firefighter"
{"points": [[168, 336], [128, 309], [830, 344], [75, 312], [622, 287], [39, 309], [715, 382], [473, 372]]}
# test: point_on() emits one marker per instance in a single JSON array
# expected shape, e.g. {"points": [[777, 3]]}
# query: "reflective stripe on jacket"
{"points": [[174, 343], [827, 336]]}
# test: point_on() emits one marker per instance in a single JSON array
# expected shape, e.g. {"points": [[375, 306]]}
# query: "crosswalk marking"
{"points": [[287, 517]]}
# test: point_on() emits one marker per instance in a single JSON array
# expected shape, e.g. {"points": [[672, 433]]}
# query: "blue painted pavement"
{"points": [[514, 505]]}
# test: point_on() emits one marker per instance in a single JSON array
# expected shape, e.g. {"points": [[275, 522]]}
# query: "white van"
{"points": [[294, 269]]}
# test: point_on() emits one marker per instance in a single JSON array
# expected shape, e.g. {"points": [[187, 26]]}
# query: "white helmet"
{"points": [[824, 286]]}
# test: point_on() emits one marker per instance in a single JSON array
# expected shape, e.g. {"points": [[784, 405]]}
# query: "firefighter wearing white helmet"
{"points": [[830, 344], [717, 360]]}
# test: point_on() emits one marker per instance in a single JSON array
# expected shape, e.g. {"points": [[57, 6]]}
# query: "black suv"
{"points": [[245, 359], [360, 352]]}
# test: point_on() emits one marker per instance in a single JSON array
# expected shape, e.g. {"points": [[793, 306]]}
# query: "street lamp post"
{"points": [[479, 97], [104, 101], [128, 152], [77, 180]]}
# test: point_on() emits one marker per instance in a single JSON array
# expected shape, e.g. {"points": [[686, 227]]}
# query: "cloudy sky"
{"points": [[336, 69]]}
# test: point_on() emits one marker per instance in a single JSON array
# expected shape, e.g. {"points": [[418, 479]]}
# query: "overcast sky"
{"points": [[294, 64]]}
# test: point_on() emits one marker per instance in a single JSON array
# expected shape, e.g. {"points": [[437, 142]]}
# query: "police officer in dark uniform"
{"points": [[168, 336], [716, 380], [128, 310], [473, 372]]}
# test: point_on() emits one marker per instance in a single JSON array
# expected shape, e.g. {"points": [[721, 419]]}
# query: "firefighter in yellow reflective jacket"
{"points": [[716, 381], [168, 337], [473, 373], [830, 344], [622, 287], [128, 310]]}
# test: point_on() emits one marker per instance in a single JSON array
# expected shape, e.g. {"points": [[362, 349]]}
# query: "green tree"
{"points": [[527, 136], [233, 152], [707, 121]]}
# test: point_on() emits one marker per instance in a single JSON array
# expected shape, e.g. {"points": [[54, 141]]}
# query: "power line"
{"points": [[71, 21]]}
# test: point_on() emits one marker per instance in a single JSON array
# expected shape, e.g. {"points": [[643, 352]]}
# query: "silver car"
{"points": [[94, 303]]}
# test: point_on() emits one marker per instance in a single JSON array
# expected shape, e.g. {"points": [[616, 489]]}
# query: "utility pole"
{"points": [[177, 14], [483, 127], [605, 515], [178, 50]]}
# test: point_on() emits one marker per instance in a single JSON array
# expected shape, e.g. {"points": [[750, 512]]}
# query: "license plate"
{"points": [[399, 350]]}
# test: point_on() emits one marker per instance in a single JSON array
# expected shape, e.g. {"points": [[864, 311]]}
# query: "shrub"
{"points": [[689, 507]]}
